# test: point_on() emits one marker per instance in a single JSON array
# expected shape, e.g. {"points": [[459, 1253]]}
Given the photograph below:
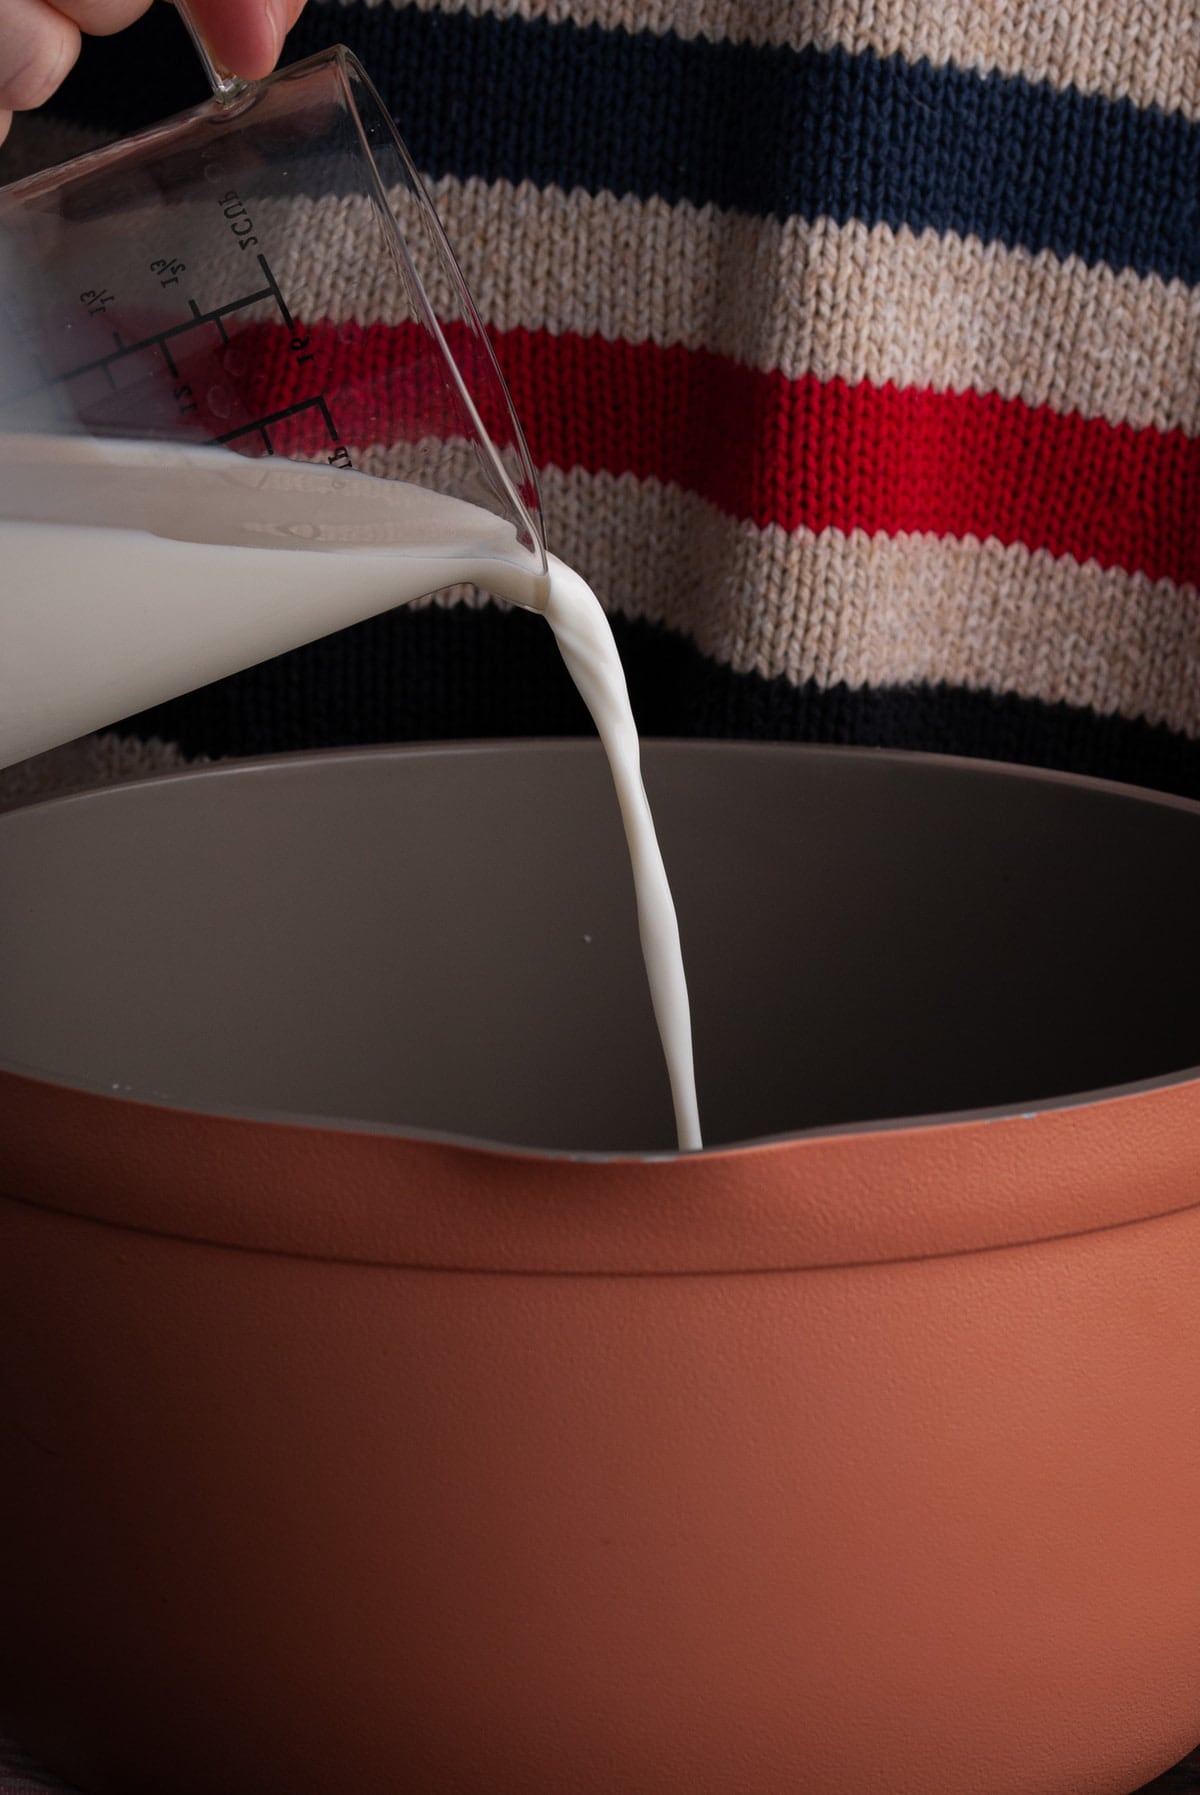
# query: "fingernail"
{"points": [[276, 18]]}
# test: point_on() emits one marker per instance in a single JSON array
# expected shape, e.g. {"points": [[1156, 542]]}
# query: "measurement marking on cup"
{"points": [[280, 301], [260, 426], [339, 455], [199, 318], [159, 338], [233, 207]]}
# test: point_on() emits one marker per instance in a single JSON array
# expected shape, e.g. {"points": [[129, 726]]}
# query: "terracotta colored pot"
{"points": [[343, 1454]]}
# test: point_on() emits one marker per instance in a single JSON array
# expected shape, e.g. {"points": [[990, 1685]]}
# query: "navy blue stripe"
{"points": [[763, 130], [432, 674]]}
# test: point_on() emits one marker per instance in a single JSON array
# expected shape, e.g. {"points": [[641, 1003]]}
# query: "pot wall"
{"points": [[339, 1455], [273, 1525]]}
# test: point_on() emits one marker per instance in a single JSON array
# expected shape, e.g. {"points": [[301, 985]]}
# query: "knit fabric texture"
{"points": [[857, 346]]}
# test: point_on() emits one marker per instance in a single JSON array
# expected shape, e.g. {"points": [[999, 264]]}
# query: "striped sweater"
{"points": [[858, 350]]}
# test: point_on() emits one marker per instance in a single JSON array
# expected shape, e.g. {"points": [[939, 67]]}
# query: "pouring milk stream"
{"points": [[136, 570]]}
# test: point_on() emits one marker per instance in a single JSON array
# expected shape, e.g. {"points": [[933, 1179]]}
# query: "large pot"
{"points": [[344, 1448]]}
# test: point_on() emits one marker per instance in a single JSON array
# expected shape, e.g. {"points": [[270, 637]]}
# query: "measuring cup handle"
{"points": [[226, 87]]}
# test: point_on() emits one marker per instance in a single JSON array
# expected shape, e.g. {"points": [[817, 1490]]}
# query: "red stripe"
{"points": [[789, 452], [820, 454]]}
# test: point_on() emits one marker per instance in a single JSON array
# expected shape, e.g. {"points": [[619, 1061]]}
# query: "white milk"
{"points": [[586, 644], [131, 572]]}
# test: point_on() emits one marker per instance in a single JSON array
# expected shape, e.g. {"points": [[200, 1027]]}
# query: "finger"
{"points": [[5, 125], [100, 18], [38, 45], [244, 36]]}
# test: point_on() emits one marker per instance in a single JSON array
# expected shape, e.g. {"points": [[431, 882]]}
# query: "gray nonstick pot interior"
{"points": [[444, 939]]}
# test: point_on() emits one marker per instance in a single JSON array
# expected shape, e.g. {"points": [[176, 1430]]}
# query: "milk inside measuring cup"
{"points": [[135, 571]]}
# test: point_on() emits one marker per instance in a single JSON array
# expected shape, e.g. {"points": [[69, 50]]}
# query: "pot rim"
{"points": [[836, 1195]]}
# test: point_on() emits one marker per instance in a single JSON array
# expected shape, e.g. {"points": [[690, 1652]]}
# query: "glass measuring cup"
{"points": [[238, 336]]}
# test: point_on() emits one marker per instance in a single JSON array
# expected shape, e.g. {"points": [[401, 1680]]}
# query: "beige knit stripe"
{"points": [[862, 610], [844, 301], [1147, 51], [881, 610], [848, 301]]}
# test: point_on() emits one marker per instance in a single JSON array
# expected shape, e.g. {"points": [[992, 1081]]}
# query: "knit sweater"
{"points": [[858, 351]]}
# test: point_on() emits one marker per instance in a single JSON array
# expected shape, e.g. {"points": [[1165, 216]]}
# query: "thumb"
{"points": [[245, 36]]}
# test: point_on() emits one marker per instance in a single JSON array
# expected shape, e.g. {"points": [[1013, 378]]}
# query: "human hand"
{"points": [[39, 41]]}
